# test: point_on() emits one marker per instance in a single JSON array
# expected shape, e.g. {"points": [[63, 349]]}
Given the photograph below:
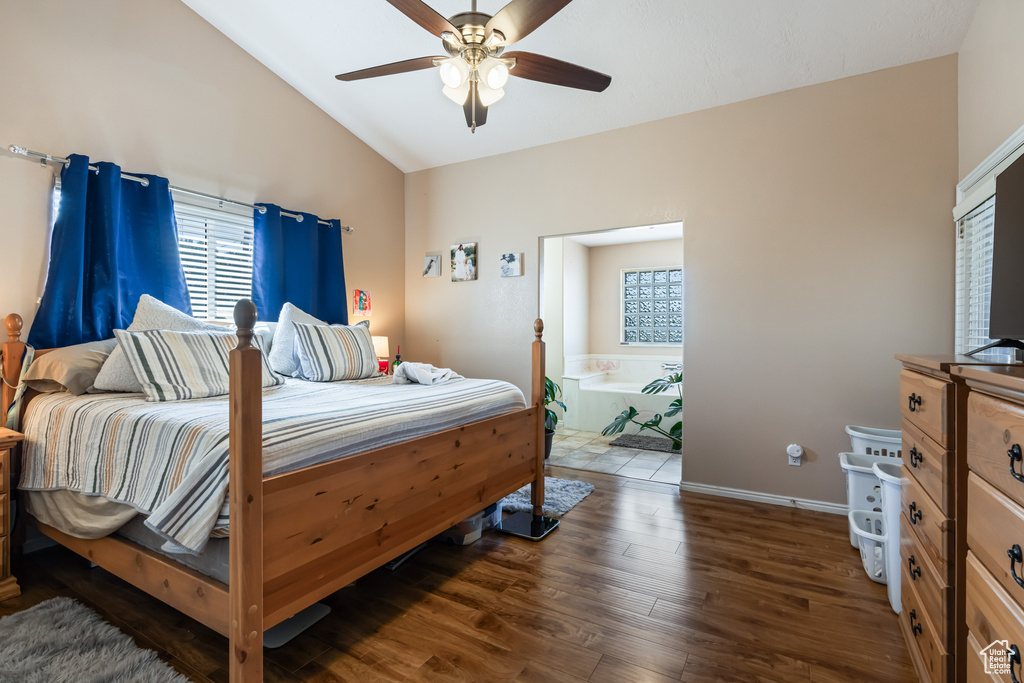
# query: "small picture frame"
{"points": [[432, 265], [511, 265], [361, 302], [464, 262]]}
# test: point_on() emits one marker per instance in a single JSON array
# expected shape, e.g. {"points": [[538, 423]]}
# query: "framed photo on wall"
{"points": [[511, 265], [432, 265], [464, 262]]}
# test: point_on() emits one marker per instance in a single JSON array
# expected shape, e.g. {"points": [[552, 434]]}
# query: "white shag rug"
{"points": [[560, 496], [61, 640]]}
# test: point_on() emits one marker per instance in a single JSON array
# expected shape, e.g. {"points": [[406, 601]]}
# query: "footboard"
{"points": [[327, 525]]}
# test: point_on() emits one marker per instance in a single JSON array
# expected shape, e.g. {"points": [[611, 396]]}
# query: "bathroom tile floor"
{"points": [[590, 451]]}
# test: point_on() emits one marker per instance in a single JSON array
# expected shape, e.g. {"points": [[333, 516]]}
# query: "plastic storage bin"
{"points": [[470, 529], [871, 539], [872, 441], [890, 476], [863, 490]]}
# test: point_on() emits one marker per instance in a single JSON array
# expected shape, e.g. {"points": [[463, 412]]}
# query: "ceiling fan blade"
{"points": [[556, 72], [389, 69], [479, 118], [520, 18], [425, 16]]}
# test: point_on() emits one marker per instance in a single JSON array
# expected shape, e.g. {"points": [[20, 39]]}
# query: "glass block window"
{"points": [[652, 306]]}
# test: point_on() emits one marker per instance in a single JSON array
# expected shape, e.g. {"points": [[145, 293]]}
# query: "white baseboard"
{"points": [[770, 498]]}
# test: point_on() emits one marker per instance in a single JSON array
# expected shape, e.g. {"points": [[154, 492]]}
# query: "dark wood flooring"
{"points": [[641, 583]]}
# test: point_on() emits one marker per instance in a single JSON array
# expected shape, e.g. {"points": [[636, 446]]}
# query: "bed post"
{"points": [[246, 498], [534, 525], [14, 350], [537, 486]]}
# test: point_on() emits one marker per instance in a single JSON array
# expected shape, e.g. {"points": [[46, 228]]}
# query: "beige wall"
{"points": [[575, 298], [816, 247], [153, 87], [551, 310], [991, 64], [606, 264]]}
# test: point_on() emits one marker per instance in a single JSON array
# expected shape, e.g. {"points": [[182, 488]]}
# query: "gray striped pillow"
{"points": [[329, 353], [175, 366]]}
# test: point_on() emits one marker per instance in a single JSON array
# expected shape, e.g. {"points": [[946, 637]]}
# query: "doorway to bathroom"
{"points": [[612, 304]]}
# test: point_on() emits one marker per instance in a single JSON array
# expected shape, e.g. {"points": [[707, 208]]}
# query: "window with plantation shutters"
{"points": [[216, 255], [974, 276]]}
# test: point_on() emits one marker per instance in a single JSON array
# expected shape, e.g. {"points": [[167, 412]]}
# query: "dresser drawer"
{"points": [[991, 614], [932, 529], [996, 427], [931, 464], [933, 594], [926, 402], [995, 524], [976, 664], [4, 507], [920, 633], [5, 469]]}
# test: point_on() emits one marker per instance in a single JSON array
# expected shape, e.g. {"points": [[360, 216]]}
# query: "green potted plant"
{"points": [[552, 392], [675, 432]]}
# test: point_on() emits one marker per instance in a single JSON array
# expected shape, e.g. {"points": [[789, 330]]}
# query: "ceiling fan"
{"points": [[477, 67]]}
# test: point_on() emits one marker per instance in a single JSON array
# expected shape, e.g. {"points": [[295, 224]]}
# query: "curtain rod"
{"points": [[44, 158]]}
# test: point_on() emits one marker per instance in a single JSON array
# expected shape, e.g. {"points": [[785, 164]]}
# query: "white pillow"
{"points": [[282, 351], [151, 314], [266, 333]]}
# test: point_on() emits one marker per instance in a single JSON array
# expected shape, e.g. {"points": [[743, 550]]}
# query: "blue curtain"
{"points": [[299, 262], [113, 241]]}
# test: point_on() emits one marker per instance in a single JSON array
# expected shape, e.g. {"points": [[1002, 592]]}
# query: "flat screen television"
{"points": [[1006, 308]]}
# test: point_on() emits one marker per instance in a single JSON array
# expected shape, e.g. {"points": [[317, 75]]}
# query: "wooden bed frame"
{"points": [[300, 536]]}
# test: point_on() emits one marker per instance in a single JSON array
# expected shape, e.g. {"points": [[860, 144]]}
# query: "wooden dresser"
{"points": [[930, 401], [8, 584], [994, 579]]}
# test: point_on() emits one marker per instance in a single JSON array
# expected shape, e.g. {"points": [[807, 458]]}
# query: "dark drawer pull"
{"points": [[914, 402], [915, 571], [1016, 556], [915, 457], [1014, 661], [916, 629], [915, 514], [1015, 456]]}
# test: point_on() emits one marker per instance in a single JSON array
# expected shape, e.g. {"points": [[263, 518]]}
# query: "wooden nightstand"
{"points": [[8, 584]]}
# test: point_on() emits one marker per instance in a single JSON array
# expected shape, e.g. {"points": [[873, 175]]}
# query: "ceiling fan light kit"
{"points": [[474, 73]]}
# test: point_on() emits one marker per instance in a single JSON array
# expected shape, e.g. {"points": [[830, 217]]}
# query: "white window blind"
{"points": [[216, 254], [974, 276]]}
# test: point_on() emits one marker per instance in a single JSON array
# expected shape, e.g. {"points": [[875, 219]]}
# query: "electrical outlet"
{"points": [[796, 453], [794, 461]]}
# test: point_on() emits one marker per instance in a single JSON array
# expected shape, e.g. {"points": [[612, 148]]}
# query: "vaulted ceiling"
{"points": [[666, 57]]}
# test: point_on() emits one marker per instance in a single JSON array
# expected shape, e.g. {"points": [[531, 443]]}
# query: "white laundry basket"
{"points": [[873, 441], [863, 490], [891, 478], [871, 539]]}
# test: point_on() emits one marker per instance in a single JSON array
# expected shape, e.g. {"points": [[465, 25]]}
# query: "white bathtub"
{"points": [[597, 388]]}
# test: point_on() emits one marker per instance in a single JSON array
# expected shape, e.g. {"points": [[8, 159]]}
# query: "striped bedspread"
{"points": [[170, 460]]}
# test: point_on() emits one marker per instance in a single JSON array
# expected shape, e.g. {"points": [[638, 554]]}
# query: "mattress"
{"points": [[169, 461]]}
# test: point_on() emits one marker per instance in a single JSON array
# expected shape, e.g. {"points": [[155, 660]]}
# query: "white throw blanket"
{"points": [[423, 373]]}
